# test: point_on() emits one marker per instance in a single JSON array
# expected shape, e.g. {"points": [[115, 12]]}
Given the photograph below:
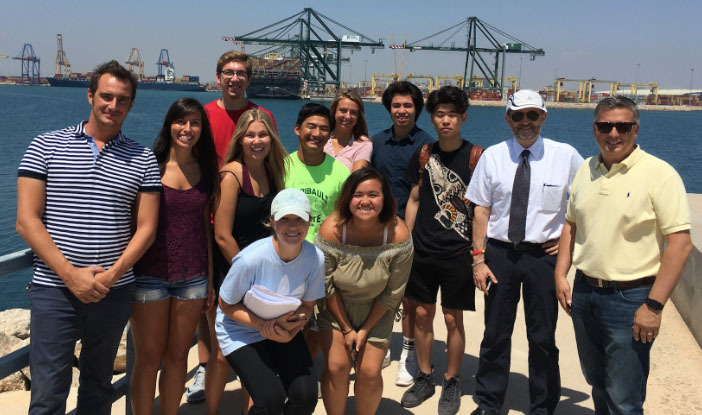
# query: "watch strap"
{"points": [[653, 304]]}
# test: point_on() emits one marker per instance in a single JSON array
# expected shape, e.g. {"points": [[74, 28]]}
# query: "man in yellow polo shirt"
{"points": [[625, 205]]}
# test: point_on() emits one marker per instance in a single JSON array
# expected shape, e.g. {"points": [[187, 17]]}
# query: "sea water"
{"points": [[28, 111]]}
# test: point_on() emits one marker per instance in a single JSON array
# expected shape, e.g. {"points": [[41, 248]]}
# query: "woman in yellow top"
{"points": [[368, 255]]}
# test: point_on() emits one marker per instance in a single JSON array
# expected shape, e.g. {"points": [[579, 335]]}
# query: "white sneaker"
{"points": [[404, 378], [386, 360], [196, 391], [406, 370]]}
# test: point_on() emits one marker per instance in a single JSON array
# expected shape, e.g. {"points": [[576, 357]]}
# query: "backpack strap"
{"points": [[475, 154], [424, 155]]}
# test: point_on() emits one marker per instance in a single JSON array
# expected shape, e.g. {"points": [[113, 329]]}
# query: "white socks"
{"points": [[407, 348]]}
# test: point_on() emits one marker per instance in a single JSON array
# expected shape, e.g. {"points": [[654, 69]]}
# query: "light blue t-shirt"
{"points": [[259, 264]]}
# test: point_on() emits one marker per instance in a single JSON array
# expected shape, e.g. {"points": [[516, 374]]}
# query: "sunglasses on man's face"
{"points": [[622, 127], [532, 115]]}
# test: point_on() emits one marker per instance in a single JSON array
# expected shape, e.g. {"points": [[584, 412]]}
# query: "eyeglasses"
{"points": [[622, 127], [228, 74], [532, 115]]}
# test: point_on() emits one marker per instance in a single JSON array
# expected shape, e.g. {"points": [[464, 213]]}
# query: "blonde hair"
{"points": [[275, 159], [361, 127]]}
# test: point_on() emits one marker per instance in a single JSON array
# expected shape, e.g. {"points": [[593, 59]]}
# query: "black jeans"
{"points": [[58, 319], [273, 371], [532, 271]]}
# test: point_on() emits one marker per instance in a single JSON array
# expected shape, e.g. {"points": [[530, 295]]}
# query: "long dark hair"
{"points": [[204, 151], [343, 211]]}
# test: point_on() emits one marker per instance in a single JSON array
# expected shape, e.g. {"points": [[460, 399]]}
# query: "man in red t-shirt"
{"points": [[234, 71]]}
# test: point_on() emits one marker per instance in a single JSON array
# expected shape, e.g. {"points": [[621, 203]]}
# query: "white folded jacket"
{"points": [[267, 304]]}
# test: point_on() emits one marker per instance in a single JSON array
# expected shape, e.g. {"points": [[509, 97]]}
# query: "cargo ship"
{"points": [[185, 83], [275, 77], [164, 81]]}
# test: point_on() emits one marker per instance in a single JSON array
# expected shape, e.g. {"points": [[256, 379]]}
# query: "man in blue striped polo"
{"points": [[77, 189]]}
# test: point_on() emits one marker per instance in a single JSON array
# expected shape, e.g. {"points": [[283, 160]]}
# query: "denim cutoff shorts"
{"points": [[149, 289]]}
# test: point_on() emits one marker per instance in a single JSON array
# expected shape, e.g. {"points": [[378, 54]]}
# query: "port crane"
{"points": [[384, 78], [429, 78], [486, 48], [633, 88], [458, 78], [316, 40], [163, 61], [134, 60], [61, 65], [30, 74]]}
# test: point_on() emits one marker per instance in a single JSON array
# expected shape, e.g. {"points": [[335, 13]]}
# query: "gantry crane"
{"points": [[585, 88], [30, 74], [314, 42], [61, 66], [133, 61], [429, 78], [382, 77], [458, 78], [163, 61], [633, 88], [482, 40]]}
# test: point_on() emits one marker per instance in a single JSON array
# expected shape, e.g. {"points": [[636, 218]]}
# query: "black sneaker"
{"points": [[450, 399], [422, 390]]}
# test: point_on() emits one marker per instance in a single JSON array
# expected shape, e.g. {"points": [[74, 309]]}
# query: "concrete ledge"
{"points": [[688, 294]]}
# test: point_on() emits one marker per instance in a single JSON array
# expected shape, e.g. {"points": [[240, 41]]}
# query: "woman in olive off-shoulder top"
{"points": [[368, 254]]}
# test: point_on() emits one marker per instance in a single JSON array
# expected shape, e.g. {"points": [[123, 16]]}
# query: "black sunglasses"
{"points": [[622, 127], [532, 115]]}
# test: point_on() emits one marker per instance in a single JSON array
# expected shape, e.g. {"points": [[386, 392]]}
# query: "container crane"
{"points": [[379, 77], [633, 88], [429, 78], [482, 40], [316, 40], [163, 61], [458, 78], [61, 66], [30, 74], [133, 61]]}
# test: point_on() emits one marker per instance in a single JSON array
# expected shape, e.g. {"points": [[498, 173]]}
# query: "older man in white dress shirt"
{"points": [[520, 189]]}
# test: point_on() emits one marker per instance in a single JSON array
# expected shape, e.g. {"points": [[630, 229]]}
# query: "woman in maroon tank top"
{"points": [[252, 173], [174, 278]]}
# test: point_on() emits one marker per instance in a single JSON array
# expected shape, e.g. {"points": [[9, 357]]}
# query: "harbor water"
{"points": [[28, 111]]}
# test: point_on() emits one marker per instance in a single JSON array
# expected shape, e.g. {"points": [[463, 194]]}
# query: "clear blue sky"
{"points": [[601, 39]]}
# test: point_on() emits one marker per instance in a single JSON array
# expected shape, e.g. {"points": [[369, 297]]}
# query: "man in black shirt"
{"points": [[440, 218]]}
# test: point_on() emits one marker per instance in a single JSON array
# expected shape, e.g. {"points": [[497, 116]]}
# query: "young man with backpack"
{"points": [[441, 221]]}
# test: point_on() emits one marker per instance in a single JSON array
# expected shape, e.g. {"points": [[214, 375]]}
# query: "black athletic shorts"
{"points": [[453, 275]]}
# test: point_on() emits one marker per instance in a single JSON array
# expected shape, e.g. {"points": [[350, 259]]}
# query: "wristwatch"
{"points": [[653, 304]]}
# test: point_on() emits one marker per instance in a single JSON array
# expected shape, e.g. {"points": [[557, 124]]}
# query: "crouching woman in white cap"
{"points": [[281, 272]]}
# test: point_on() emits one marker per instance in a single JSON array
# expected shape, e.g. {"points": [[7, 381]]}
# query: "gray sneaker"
{"points": [[196, 391], [450, 399], [422, 390]]}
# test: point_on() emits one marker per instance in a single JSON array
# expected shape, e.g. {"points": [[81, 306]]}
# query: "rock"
{"points": [[14, 334], [17, 381]]}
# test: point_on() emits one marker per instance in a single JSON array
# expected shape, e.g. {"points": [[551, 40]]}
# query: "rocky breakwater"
{"points": [[14, 334]]}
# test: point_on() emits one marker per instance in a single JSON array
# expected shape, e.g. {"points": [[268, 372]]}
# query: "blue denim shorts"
{"points": [[149, 289]]}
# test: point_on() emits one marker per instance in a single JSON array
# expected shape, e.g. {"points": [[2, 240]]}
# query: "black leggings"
{"points": [[272, 371]]}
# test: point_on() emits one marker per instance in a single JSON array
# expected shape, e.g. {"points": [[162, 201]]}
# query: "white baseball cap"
{"points": [[290, 202], [525, 98]]}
